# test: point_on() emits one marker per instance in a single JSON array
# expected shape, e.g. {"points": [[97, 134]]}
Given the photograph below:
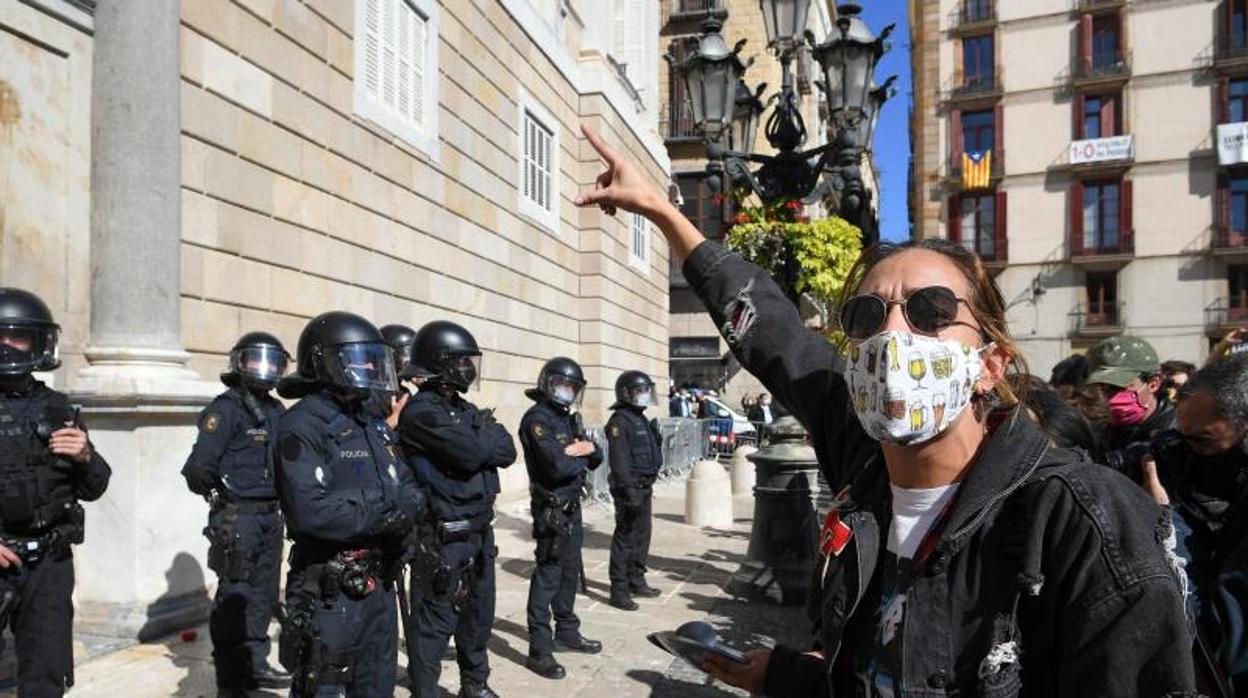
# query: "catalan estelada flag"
{"points": [[976, 169]]}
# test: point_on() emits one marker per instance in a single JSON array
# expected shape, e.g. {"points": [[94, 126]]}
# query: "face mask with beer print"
{"points": [[907, 388]]}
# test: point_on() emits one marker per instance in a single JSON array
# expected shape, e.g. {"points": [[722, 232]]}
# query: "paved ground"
{"points": [[690, 565]]}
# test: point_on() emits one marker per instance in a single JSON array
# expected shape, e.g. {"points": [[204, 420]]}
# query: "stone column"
{"points": [[140, 571]]}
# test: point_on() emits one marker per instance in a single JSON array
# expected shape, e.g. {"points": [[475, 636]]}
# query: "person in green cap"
{"points": [[1128, 373]]}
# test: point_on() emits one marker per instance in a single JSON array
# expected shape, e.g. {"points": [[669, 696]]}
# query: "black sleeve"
{"points": [[311, 508], [91, 478], [457, 445], [594, 459], [203, 467], [799, 367], [551, 464], [620, 456], [792, 673]]}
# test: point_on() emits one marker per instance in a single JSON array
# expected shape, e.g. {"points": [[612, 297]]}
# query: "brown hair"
{"points": [[985, 302]]}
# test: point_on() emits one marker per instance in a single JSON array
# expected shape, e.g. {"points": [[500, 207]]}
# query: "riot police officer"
{"points": [[401, 339], [231, 466], [635, 458], [457, 450], [47, 466], [349, 503], [557, 453]]}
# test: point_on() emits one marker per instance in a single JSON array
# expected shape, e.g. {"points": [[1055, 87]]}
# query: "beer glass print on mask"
{"points": [[894, 404], [942, 364], [871, 359], [894, 354], [938, 409], [917, 367], [916, 415]]}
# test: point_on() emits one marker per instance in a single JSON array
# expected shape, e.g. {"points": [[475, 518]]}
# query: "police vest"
{"points": [[247, 465], [645, 455], [36, 487]]}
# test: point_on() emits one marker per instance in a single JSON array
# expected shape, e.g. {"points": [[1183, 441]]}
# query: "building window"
{"points": [[539, 163], [1237, 100], [1097, 116], [1237, 18], [1238, 218], [701, 206], [1100, 215], [639, 252], [1102, 290], [677, 121], [978, 130], [979, 218], [1237, 285], [635, 45], [396, 69], [1105, 42], [978, 61], [977, 10]]}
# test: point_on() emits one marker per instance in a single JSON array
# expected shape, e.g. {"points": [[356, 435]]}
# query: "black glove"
{"points": [[484, 418], [395, 523], [201, 480]]}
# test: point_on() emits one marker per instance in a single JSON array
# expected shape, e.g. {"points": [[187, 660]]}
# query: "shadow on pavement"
{"points": [[193, 654]]}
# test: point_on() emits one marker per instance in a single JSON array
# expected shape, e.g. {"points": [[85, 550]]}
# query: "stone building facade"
{"points": [[1106, 207], [173, 174]]}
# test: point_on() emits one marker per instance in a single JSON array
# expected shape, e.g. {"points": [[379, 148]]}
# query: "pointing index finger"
{"points": [[606, 151]]}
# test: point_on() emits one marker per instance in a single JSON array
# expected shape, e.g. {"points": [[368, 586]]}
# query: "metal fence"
{"points": [[685, 442]]}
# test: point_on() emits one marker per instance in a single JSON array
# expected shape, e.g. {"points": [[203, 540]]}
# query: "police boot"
{"points": [[579, 644], [644, 590], [271, 677], [544, 666], [622, 601], [472, 689]]}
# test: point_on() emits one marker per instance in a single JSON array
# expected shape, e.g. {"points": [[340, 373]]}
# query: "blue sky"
{"points": [[892, 136]]}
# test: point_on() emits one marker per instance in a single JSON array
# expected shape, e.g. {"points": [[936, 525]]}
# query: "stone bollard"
{"points": [[743, 471], [708, 495]]}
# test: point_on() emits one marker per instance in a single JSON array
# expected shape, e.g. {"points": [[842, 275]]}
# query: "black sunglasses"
{"points": [[927, 310]]}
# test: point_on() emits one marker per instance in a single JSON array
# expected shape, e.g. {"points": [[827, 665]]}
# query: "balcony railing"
{"points": [[974, 14], [1229, 241], [1105, 65], [1230, 46], [1097, 318], [1097, 5], [686, 9], [1087, 246], [676, 123], [973, 85]]}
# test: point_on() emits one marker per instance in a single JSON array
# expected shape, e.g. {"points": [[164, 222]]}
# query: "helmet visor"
{"points": [[26, 348], [563, 390], [640, 395], [360, 365], [262, 364], [463, 371]]}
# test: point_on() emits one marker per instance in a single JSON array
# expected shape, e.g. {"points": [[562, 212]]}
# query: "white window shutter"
{"points": [[389, 58], [420, 42], [635, 49], [403, 64], [619, 31], [372, 46]]}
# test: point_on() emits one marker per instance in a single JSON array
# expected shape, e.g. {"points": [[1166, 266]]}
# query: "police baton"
{"points": [[409, 630]]}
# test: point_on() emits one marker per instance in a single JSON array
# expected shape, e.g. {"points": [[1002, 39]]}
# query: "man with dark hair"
{"points": [[1202, 473], [1073, 370], [1174, 375]]}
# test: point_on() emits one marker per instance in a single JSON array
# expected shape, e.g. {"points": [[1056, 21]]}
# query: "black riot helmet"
{"points": [[401, 339], [343, 352], [258, 360], [635, 389], [448, 353], [28, 335], [561, 381]]}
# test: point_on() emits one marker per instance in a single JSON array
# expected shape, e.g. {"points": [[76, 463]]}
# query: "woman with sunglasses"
{"points": [[962, 554]]}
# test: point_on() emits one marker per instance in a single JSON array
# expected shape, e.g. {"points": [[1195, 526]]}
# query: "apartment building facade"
{"points": [[1088, 150]]}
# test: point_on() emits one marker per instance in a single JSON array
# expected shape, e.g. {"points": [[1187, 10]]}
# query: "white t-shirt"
{"points": [[914, 512]]}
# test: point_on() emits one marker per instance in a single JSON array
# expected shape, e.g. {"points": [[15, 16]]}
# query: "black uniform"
{"points": [[456, 450], [348, 501], [40, 518], [635, 458], [555, 481], [232, 465]]}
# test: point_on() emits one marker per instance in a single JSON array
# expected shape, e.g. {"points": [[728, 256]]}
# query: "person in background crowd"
{"points": [[1073, 371], [950, 500], [678, 406], [1173, 375], [1127, 372], [1090, 403], [748, 403], [1065, 425], [762, 410], [1232, 343], [704, 407], [1200, 470]]}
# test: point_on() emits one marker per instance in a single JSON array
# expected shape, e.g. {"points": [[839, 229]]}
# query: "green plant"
{"points": [[806, 257]]}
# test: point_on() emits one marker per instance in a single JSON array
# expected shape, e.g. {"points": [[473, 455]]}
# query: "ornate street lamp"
{"points": [[848, 61], [711, 74], [744, 130]]}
